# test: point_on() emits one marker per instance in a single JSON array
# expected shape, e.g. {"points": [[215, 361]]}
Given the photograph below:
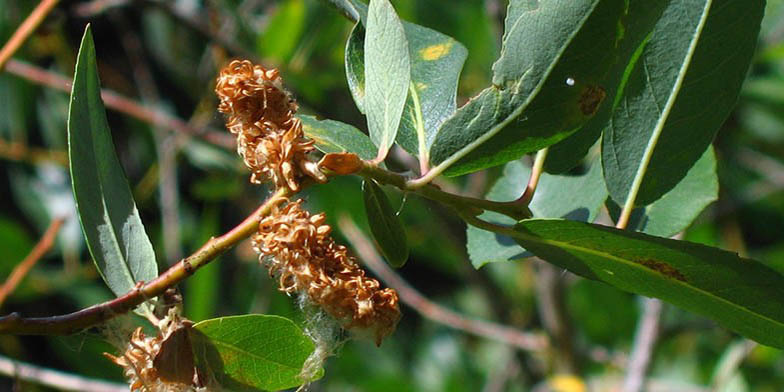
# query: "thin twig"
{"points": [[408, 295], [552, 311], [39, 250], [85, 318], [25, 30], [167, 145], [22, 153], [644, 342], [730, 361], [466, 205], [121, 103], [533, 180], [55, 378]]}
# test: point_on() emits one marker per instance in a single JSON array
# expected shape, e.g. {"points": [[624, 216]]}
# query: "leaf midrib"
{"points": [[645, 160], [567, 245], [446, 163]]}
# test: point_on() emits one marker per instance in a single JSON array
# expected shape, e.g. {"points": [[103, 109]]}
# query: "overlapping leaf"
{"points": [[678, 94], [436, 61], [110, 221], [570, 197], [334, 136], [560, 63], [741, 294], [387, 74], [676, 210]]}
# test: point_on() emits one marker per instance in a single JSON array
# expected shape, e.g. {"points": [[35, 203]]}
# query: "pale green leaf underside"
{"points": [[387, 73], [334, 136], [678, 208], [557, 196], [114, 232], [436, 62], [252, 352], [741, 294]]}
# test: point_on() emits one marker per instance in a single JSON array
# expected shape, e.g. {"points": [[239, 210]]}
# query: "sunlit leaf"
{"points": [[334, 136], [560, 66], [110, 221], [387, 73], [252, 352]]}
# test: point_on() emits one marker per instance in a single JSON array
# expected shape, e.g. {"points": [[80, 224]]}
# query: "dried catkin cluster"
{"points": [[297, 248], [139, 363], [261, 113]]}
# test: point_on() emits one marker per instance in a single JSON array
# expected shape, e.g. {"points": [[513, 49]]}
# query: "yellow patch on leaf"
{"points": [[435, 52]]}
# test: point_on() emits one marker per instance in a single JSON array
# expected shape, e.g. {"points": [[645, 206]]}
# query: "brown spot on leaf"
{"points": [[590, 99], [663, 268]]}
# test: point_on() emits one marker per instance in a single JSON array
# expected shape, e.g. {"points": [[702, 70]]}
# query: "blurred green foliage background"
{"points": [[166, 55]]}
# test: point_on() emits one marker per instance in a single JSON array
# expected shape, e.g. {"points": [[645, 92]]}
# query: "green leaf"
{"points": [[675, 211], [387, 73], [385, 224], [252, 352], [436, 61], [334, 136], [571, 197], [741, 294], [114, 232], [559, 65], [566, 154], [283, 31], [680, 91], [355, 65]]}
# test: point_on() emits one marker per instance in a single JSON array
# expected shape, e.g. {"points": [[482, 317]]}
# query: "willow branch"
{"points": [[121, 104], [430, 310], [466, 205], [39, 250], [25, 30], [56, 379], [644, 343], [77, 321], [20, 152]]}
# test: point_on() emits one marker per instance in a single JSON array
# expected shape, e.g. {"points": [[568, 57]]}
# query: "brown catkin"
{"points": [[138, 360], [261, 113], [294, 245], [297, 248]]}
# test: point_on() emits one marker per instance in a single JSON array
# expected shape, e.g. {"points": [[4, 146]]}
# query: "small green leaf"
{"points": [[387, 73], [385, 224], [560, 67], [680, 91], [110, 221], [252, 352], [334, 136], [741, 294], [557, 196], [675, 211]]}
